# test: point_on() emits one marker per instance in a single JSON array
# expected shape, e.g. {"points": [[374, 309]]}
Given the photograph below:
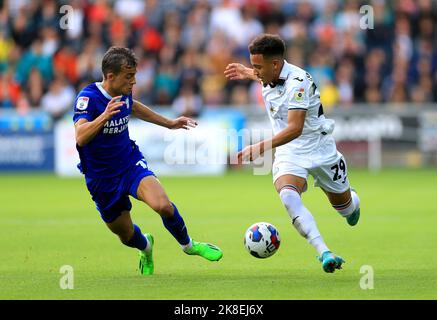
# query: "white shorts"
{"points": [[331, 177]]}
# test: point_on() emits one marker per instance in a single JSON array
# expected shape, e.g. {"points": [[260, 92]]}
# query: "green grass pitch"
{"points": [[47, 222]]}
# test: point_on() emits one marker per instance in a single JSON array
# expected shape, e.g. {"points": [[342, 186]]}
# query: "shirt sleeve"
{"points": [[83, 108]]}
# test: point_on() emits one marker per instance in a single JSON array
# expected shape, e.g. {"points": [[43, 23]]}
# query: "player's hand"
{"points": [[183, 123], [236, 71], [113, 107]]}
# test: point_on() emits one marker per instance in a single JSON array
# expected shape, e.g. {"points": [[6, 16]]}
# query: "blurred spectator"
{"points": [[59, 99], [49, 16], [129, 9], [187, 103], [22, 32], [65, 64], [9, 90], [195, 31], [34, 59], [89, 62], [249, 27], [226, 18], [144, 77], [190, 70], [295, 56], [154, 13], [34, 88], [321, 68], [344, 82], [166, 84], [6, 46], [50, 41], [239, 96], [329, 95], [372, 95]]}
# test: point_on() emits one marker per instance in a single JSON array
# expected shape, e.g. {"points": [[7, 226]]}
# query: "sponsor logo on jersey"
{"points": [[116, 126]]}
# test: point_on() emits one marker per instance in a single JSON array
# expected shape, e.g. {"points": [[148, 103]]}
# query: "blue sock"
{"points": [[138, 240], [176, 226]]}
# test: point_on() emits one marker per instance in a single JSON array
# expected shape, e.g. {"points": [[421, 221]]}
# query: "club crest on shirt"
{"points": [[82, 103], [127, 103]]}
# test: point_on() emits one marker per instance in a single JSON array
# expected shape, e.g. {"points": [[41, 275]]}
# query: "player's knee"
{"points": [[164, 208], [290, 198]]}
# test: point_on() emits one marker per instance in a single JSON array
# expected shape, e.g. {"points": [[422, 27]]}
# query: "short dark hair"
{"points": [[115, 58], [268, 45]]}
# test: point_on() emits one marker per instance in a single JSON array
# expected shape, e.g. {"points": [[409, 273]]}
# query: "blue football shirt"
{"points": [[111, 151]]}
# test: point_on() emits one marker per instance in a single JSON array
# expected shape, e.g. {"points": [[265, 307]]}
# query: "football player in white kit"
{"points": [[302, 138]]}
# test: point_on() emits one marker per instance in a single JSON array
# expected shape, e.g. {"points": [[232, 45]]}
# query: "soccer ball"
{"points": [[262, 240]]}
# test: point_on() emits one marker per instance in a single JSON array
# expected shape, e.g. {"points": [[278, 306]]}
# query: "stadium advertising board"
{"points": [[26, 151]]}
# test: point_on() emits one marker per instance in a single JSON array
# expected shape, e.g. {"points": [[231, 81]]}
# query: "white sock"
{"points": [[319, 245], [302, 219], [350, 206], [355, 199], [148, 245], [187, 246]]}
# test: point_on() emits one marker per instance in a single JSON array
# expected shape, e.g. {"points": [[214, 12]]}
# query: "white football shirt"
{"points": [[297, 91]]}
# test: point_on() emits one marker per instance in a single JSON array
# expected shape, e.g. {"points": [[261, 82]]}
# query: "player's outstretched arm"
{"points": [[87, 130], [237, 71], [144, 113]]}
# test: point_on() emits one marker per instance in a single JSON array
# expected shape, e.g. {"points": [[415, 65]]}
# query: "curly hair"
{"points": [[268, 45]]}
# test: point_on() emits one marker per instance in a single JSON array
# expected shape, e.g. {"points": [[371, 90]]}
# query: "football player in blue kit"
{"points": [[115, 168]]}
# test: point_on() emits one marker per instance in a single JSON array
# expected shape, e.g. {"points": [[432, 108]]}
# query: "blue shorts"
{"points": [[111, 195]]}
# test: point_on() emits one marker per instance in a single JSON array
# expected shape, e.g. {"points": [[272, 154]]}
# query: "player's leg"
{"points": [[123, 227], [290, 182], [333, 179], [347, 204], [151, 192], [290, 188], [114, 207], [130, 234]]}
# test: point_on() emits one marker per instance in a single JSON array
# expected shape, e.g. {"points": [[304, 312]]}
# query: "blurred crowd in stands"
{"points": [[49, 52]]}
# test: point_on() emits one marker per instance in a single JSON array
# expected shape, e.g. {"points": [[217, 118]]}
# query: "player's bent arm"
{"points": [[144, 113], [87, 130], [296, 121]]}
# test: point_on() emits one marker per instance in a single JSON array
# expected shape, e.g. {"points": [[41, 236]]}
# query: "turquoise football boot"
{"points": [[330, 262]]}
